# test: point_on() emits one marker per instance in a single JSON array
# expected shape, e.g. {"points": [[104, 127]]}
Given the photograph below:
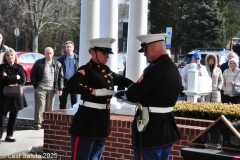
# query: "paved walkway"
{"points": [[25, 140]]}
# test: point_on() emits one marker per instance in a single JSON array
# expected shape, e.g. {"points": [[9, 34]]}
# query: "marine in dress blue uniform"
{"points": [[95, 82], [157, 91]]}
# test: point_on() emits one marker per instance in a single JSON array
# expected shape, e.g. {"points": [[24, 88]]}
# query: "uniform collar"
{"points": [[91, 62], [163, 57]]}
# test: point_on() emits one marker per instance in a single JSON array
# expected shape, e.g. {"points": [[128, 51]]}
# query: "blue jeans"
{"points": [[86, 149], [161, 153]]}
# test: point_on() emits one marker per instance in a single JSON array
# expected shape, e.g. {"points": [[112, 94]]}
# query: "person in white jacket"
{"points": [[196, 58], [231, 77]]}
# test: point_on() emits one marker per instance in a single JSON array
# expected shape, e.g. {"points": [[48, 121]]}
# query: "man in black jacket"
{"points": [[47, 79], [69, 63], [154, 129]]}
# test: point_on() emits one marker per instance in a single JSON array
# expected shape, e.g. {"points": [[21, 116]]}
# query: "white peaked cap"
{"points": [[101, 42], [150, 38]]}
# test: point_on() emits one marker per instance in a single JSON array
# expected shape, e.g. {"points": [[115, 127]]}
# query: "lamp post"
{"points": [[16, 33]]}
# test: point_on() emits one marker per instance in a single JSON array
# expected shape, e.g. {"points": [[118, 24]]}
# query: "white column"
{"points": [[89, 28], [136, 62], [137, 25], [109, 27]]}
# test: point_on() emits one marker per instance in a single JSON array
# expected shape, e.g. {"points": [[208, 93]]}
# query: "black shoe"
{"points": [[10, 139]]}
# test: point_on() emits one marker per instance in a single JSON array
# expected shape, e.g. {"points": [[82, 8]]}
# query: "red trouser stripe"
{"points": [[75, 148], [141, 157]]}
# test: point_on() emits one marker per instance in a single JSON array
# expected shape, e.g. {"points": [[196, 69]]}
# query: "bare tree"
{"points": [[40, 13]]}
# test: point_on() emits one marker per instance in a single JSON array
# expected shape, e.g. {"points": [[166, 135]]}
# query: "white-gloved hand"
{"points": [[104, 92]]}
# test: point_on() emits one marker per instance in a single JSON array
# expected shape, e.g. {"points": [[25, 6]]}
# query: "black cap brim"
{"points": [[145, 44], [104, 50], [141, 50]]}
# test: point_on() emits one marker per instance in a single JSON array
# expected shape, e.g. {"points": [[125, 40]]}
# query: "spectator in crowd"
{"points": [[10, 73], [223, 67], [2, 48], [157, 91], [47, 79], [217, 79], [231, 76], [69, 63], [95, 82], [196, 58]]}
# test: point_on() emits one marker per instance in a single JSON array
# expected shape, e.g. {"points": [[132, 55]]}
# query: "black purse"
{"points": [[235, 88], [13, 90]]}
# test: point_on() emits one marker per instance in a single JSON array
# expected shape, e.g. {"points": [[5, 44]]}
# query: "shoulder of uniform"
{"points": [[82, 70]]}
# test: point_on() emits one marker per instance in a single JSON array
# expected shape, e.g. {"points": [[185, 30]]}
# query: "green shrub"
{"points": [[207, 110]]}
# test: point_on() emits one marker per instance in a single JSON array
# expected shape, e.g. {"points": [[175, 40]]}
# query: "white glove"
{"points": [[104, 92]]}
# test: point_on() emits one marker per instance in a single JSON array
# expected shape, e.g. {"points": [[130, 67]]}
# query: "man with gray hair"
{"points": [[47, 79], [69, 63]]}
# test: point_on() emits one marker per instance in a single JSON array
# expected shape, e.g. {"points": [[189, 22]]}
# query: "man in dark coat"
{"points": [[157, 92], [47, 79], [69, 63], [95, 82]]}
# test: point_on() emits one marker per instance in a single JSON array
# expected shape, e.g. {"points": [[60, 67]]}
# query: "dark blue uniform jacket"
{"points": [[159, 86], [91, 122]]}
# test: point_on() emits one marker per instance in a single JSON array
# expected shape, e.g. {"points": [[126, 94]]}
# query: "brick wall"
{"points": [[118, 144]]}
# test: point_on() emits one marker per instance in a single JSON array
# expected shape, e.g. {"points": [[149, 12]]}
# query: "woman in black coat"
{"points": [[10, 73]]}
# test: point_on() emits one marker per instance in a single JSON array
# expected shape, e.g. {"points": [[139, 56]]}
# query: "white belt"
{"points": [[160, 109], [96, 105]]}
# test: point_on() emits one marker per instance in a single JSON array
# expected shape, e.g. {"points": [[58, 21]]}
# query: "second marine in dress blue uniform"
{"points": [[157, 91]]}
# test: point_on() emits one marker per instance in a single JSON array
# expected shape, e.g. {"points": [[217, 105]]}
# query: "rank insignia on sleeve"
{"points": [[82, 72]]}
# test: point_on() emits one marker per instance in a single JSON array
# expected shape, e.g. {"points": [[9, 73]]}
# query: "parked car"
{"points": [[121, 62], [27, 59], [221, 55]]}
